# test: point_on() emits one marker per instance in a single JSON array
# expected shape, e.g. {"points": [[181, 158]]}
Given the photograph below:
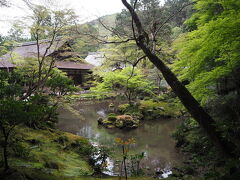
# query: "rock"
{"points": [[126, 121], [158, 173], [149, 111], [125, 117], [134, 126], [100, 121], [109, 126], [161, 108], [119, 123], [111, 105]]}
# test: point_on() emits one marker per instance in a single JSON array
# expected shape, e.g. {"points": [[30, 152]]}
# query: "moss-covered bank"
{"points": [[42, 153]]}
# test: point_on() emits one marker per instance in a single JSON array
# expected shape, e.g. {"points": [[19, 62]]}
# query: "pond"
{"points": [[152, 137]]}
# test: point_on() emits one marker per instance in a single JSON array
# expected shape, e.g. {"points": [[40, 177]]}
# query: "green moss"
{"points": [[107, 122], [54, 154], [112, 117], [158, 109]]}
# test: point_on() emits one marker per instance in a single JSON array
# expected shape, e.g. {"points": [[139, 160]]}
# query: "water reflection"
{"points": [[152, 137]]}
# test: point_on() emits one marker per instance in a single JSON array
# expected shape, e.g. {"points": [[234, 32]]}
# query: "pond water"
{"points": [[152, 137]]}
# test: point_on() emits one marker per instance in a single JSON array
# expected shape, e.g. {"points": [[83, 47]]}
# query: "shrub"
{"points": [[123, 107]]}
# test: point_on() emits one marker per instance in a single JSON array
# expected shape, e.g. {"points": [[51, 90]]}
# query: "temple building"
{"points": [[65, 59]]}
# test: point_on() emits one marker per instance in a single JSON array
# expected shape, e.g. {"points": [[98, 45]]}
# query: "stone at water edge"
{"points": [[100, 120], [119, 123], [126, 121], [111, 105], [110, 126]]}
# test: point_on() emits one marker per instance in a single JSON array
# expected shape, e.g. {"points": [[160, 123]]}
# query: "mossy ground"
{"points": [[50, 152]]}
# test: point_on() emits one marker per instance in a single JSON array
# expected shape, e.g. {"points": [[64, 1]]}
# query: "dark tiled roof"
{"points": [[73, 65], [29, 49], [6, 64]]}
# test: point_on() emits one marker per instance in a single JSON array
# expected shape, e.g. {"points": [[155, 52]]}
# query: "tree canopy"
{"points": [[211, 51]]}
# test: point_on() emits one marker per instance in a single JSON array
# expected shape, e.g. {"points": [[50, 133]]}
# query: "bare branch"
{"points": [[172, 16], [110, 29], [138, 60], [102, 40], [143, 36]]}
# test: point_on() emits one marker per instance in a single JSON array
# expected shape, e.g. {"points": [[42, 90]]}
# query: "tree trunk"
{"points": [[5, 156], [190, 103], [124, 162], [120, 174], [5, 146]]}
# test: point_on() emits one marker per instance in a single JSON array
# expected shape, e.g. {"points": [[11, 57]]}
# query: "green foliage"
{"points": [[16, 33], [60, 84], [209, 57], [149, 11], [173, 6], [119, 55], [9, 86], [6, 46], [130, 83], [135, 160], [41, 113], [210, 52], [36, 111], [123, 107], [12, 113], [86, 44], [50, 23], [226, 110], [203, 157], [211, 10], [153, 110]]}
